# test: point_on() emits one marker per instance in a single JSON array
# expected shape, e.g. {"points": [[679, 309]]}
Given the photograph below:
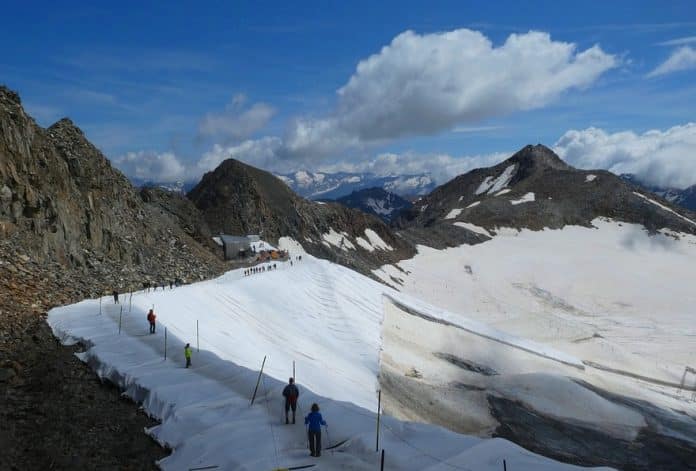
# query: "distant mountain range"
{"points": [[331, 186], [685, 198], [179, 187], [377, 201]]}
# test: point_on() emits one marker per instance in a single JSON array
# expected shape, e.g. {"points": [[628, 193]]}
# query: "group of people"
{"points": [[163, 284], [291, 392], [313, 420], [263, 268]]}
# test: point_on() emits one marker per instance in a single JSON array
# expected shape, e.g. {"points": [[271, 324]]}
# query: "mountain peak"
{"points": [[7, 95], [538, 155], [65, 125]]}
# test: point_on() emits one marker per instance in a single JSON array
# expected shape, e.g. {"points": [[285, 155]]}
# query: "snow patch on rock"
{"points": [[376, 241], [473, 228], [527, 198], [454, 213], [491, 185], [338, 239]]}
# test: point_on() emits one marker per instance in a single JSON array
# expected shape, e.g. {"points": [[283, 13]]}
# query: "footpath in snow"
{"points": [[325, 318]]}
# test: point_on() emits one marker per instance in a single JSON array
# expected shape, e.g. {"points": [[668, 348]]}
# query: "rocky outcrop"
{"points": [[535, 189], [238, 199], [62, 201], [72, 227]]}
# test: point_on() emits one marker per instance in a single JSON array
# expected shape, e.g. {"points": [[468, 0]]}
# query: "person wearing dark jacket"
{"points": [[314, 421], [291, 393]]}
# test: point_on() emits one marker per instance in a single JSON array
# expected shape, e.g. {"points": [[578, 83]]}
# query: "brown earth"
{"points": [[55, 412]]}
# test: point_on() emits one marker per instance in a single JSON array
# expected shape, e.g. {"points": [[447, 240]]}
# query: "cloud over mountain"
{"points": [[664, 158], [153, 166], [424, 84]]}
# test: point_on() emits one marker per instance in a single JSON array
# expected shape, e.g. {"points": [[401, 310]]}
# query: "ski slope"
{"points": [[325, 318]]}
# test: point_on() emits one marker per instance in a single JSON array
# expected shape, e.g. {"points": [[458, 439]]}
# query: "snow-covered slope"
{"points": [[325, 318], [561, 286], [615, 297]]}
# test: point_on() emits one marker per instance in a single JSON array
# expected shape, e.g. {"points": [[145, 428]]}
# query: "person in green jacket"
{"points": [[187, 354]]}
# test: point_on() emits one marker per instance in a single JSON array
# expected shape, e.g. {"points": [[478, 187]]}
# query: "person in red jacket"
{"points": [[151, 319]]}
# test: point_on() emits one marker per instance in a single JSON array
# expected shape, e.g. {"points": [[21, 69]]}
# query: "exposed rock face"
{"points": [[535, 189], [72, 227], [65, 202], [239, 199]]}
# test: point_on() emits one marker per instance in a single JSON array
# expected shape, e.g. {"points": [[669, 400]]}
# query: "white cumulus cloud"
{"points": [[424, 84], [665, 158], [260, 153], [153, 166], [683, 58]]}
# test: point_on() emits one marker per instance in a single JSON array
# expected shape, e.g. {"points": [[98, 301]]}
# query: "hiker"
{"points": [[314, 421], [187, 354], [291, 393], [151, 319], [115, 293]]}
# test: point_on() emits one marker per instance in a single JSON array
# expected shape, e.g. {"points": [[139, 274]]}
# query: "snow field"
{"points": [[612, 294], [325, 317], [544, 384]]}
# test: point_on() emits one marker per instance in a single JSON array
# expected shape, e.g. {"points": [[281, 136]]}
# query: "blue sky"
{"points": [[168, 90]]}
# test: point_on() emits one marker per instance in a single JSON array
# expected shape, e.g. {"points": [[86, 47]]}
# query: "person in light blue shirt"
{"points": [[314, 421]]}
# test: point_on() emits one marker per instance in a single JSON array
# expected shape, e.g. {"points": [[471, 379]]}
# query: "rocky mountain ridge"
{"points": [[238, 199], [65, 202], [535, 189]]}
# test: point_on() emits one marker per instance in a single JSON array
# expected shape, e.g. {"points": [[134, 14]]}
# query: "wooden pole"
{"points": [[379, 407], [120, 315], [198, 340], [100, 298], [504, 465], [258, 381], [293, 371], [382, 466], [130, 303], [165, 343]]}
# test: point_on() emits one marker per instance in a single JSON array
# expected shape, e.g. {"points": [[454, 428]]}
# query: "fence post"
{"points": [[379, 407], [258, 381], [165, 343], [504, 465], [130, 302], [293, 371], [120, 315], [100, 298], [198, 340], [382, 466]]}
